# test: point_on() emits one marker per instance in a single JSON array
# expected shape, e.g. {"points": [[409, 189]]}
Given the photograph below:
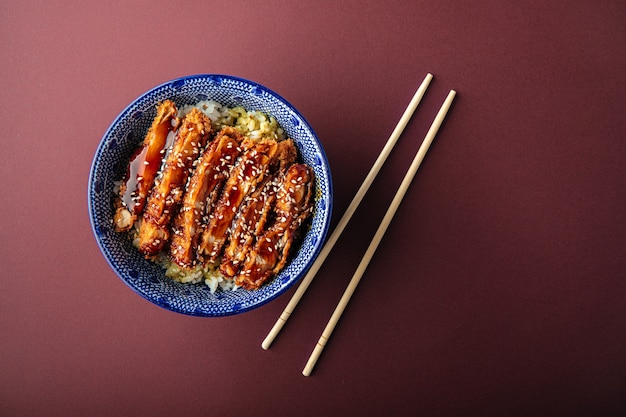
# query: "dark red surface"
{"points": [[498, 289]]}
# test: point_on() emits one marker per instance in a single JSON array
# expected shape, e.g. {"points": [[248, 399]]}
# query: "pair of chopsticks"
{"points": [[348, 215]]}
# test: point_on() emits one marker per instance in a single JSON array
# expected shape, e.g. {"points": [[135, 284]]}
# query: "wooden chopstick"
{"points": [[393, 138], [379, 234]]}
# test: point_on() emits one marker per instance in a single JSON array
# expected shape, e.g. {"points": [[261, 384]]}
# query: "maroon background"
{"points": [[498, 289]]}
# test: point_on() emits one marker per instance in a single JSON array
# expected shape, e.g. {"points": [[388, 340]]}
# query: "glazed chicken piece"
{"points": [[258, 161], [254, 213], [287, 154], [204, 188], [143, 167], [249, 223], [166, 196], [271, 250]]}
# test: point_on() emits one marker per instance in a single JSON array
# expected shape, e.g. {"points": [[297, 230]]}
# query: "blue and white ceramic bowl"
{"points": [[124, 136]]}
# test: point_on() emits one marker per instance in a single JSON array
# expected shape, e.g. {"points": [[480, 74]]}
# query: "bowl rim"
{"points": [[326, 168]]}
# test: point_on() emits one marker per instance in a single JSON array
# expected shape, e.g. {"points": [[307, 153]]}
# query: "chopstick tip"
{"points": [[267, 342]]}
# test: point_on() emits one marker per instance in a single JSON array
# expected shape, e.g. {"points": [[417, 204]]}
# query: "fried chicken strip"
{"points": [[143, 167], [257, 161], [167, 194], [204, 188], [254, 213], [271, 250], [248, 224]]}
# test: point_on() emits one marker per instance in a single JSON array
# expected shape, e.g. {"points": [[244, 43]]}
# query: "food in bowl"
{"points": [[125, 134], [215, 194]]}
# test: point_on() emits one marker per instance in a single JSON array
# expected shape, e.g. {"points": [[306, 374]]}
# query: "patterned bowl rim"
{"points": [[180, 81]]}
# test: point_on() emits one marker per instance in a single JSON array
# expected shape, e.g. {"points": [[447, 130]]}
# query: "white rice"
{"points": [[254, 124]]}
